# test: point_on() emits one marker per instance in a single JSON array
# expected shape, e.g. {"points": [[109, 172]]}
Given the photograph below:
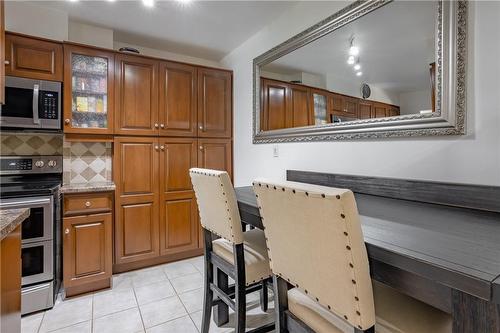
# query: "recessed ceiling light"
{"points": [[359, 73], [350, 60], [184, 1], [354, 50], [148, 3], [357, 67]]}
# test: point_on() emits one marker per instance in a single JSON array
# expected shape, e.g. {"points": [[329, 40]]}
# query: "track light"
{"points": [[148, 3], [359, 73], [350, 60]]}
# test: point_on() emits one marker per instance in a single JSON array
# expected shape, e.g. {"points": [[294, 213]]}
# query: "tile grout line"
{"points": [[138, 307]]}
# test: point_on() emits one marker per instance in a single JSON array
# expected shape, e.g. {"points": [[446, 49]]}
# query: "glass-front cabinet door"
{"points": [[88, 90], [320, 106]]}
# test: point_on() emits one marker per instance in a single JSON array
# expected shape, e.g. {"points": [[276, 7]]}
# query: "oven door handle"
{"points": [[36, 92], [25, 203]]}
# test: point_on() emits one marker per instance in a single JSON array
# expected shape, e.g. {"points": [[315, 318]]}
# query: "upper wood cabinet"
{"points": [[341, 105], [214, 103], [88, 90], [380, 110], [33, 58], [136, 178], [2, 52], [365, 109], [136, 91], [215, 154], [177, 109]]}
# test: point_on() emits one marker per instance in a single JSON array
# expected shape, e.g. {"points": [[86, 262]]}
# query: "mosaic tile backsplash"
{"points": [[87, 162], [31, 144]]}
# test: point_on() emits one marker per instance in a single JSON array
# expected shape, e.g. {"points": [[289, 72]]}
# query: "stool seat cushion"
{"points": [[395, 313], [256, 258]]}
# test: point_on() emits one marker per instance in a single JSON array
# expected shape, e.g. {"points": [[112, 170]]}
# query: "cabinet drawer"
{"points": [[87, 203]]}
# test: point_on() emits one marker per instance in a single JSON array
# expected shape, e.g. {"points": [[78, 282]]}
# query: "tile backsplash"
{"points": [[31, 144], [87, 162]]}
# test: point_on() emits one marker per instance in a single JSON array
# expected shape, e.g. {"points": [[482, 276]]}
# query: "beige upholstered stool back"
{"points": [[217, 203], [315, 242]]}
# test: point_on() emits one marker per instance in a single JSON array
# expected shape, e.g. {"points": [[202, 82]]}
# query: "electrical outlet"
{"points": [[276, 151]]}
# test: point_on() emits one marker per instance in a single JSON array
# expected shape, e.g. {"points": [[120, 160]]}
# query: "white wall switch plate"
{"points": [[276, 151]]}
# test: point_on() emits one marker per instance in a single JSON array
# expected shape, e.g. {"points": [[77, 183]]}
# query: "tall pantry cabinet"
{"points": [[170, 117]]}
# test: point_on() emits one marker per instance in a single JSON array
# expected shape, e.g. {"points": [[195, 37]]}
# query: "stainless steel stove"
{"points": [[33, 182]]}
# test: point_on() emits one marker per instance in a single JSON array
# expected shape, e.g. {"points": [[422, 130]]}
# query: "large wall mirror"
{"points": [[374, 69]]}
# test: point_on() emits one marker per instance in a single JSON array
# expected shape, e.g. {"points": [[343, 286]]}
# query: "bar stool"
{"points": [[321, 270], [240, 255]]}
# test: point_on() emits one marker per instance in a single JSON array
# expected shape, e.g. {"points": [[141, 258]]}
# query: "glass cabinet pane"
{"points": [[319, 109], [89, 91]]}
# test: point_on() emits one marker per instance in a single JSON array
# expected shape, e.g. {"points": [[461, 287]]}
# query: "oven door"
{"points": [[37, 262], [25, 104], [39, 225]]}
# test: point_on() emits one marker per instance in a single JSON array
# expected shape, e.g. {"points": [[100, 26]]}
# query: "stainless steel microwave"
{"points": [[31, 104]]}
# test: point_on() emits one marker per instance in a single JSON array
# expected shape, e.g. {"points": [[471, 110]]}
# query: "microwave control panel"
{"points": [[48, 108]]}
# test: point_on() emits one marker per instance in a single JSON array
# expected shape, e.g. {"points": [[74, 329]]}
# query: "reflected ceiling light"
{"points": [[353, 50], [148, 3], [184, 1], [359, 73], [350, 60], [357, 67]]}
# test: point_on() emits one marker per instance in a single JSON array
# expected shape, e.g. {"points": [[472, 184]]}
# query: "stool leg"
{"points": [[240, 289], [221, 311], [209, 278], [264, 296]]}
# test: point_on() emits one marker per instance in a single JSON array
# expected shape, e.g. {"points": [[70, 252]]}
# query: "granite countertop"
{"points": [[10, 219], [88, 187]]}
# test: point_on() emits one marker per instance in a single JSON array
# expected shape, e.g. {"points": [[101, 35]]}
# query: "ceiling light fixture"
{"points": [[350, 60], [353, 50], [359, 73], [183, 1], [148, 3], [357, 67]]}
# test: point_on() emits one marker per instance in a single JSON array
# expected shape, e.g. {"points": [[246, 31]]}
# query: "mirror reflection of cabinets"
{"points": [[288, 105]]}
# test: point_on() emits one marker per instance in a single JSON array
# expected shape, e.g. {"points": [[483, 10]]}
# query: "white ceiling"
{"points": [[205, 29], [396, 45]]}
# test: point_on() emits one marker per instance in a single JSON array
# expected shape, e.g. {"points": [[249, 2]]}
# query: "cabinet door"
{"points": [[379, 110], [33, 58], [300, 113], [215, 154], [365, 110], [2, 52], [136, 197], [136, 104], [393, 111], [351, 106], [87, 249], [319, 106], [177, 108], [178, 211], [336, 103], [274, 105], [88, 90], [10, 282], [214, 103]]}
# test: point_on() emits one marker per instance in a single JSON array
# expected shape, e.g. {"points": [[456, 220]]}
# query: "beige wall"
{"points": [[91, 35]]}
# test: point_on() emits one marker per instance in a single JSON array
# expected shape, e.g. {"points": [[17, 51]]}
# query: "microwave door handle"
{"points": [[36, 92]]}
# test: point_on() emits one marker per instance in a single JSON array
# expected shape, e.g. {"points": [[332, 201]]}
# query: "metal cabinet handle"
{"points": [[88, 204], [7, 62], [66, 231], [201, 127], [162, 147], [156, 147], [162, 125], [156, 125], [67, 121], [201, 147]]}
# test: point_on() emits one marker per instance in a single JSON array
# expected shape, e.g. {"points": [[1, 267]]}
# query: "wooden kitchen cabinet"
{"points": [[274, 104], [300, 112], [137, 199], [2, 52], [178, 99], [178, 210], [10, 282], [214, 103], [88, 90], [215, 154], [87, 252], [365, 109], [136, 95], [33, 58], [380, 110]]}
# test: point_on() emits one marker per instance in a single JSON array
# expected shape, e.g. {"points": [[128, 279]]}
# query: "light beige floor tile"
{"points": [[180, 325], [198, 263], [229, 327], [113, 301], [154, 292], [187, 282], [31, 323], [122, 281], [161, 311], [85, 327], [179, 268], [128, 321], [67, 313], [148, 276], [192, 300]]}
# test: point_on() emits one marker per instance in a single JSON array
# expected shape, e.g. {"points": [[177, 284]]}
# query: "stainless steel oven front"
{"points": [[32, 104]]}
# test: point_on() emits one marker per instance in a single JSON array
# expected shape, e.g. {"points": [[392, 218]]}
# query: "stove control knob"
{"points": [[52, 163], [39, 164]]}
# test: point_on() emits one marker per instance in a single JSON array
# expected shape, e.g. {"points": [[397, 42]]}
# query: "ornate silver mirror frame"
{"points": [[451, 52]]}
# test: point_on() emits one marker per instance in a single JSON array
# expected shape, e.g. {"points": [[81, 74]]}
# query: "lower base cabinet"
{"points": [[87, 246], [156, 211], [10, 282]]}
